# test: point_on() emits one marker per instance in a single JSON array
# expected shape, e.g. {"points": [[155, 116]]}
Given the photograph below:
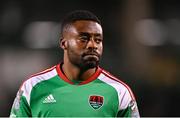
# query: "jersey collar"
{"points": [[63, 76]]}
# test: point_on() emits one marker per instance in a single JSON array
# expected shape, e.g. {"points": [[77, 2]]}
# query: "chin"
{"points": [[91, 64]]}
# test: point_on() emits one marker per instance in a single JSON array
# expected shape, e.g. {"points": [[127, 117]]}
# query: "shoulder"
{"points": [[118, 84], [40, 76], [34, 79]]}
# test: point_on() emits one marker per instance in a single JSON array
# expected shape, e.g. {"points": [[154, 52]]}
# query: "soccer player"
{"points": [[76, 87]]}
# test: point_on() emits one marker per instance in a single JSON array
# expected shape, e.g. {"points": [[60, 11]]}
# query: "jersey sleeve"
{"points": [[130, 111], [20, 106], [128, 106]]}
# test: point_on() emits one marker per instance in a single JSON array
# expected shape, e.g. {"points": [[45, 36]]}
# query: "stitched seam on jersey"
{"points": [[33, 81], [40, 73], [101, 80], [120, 88], [119, 81], [102, 77]]}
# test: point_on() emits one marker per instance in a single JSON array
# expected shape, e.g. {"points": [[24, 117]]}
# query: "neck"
{"points": [[73, 72]]}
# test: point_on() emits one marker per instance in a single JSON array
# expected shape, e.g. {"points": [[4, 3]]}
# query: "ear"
{"points": [[63, 43]]}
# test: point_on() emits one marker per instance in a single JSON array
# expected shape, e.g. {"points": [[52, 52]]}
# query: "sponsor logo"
{"points": [[96, 101], [49, 99]]}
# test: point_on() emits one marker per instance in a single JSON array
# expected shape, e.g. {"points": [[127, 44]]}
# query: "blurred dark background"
{"points": [[141, 46]]}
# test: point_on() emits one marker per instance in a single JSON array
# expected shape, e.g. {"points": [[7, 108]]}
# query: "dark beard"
{"points": [[90, 59], [89, 63], [87, 60], [85, 63]]}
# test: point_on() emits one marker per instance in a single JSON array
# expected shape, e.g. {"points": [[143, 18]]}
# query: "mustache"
{"points": [[91, 52]]}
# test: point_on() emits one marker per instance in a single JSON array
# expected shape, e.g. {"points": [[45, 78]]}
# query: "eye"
{"points": [[84, 38], [98, 40]]}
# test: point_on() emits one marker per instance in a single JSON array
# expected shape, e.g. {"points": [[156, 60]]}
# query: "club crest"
{"points": [[96, 101]]}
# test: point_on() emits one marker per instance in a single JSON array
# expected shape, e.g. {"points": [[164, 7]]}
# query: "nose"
{"points": [[91, 44]]}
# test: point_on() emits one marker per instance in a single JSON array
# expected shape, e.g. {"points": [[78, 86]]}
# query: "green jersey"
{"points": [[51, 94]]}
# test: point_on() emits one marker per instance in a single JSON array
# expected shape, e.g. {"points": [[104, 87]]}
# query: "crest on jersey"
{"points": [[96, 101]]}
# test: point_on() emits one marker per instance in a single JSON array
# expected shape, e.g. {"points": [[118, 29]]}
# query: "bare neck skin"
{"points": [[74, 73]]}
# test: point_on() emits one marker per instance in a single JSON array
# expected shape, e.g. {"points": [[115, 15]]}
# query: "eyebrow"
{"points": [[88, 34]]}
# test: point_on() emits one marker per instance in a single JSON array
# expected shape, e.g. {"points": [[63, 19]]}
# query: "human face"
{"points": [[84, 46]]}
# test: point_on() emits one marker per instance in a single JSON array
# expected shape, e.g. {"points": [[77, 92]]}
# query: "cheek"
{"points": [[100, 49], [71, 43], [74, 44], [74, 48]]}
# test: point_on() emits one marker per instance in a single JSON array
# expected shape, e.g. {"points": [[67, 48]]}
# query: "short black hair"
{"points": [[78, 15]]}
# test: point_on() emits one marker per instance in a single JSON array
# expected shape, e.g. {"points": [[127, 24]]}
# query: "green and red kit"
{"points": [[51, 94]]}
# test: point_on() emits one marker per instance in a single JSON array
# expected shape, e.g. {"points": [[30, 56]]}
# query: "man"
{"points": [[77, 87]]}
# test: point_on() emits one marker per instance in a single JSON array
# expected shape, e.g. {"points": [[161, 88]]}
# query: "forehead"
{"points": [[86, 26]]}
